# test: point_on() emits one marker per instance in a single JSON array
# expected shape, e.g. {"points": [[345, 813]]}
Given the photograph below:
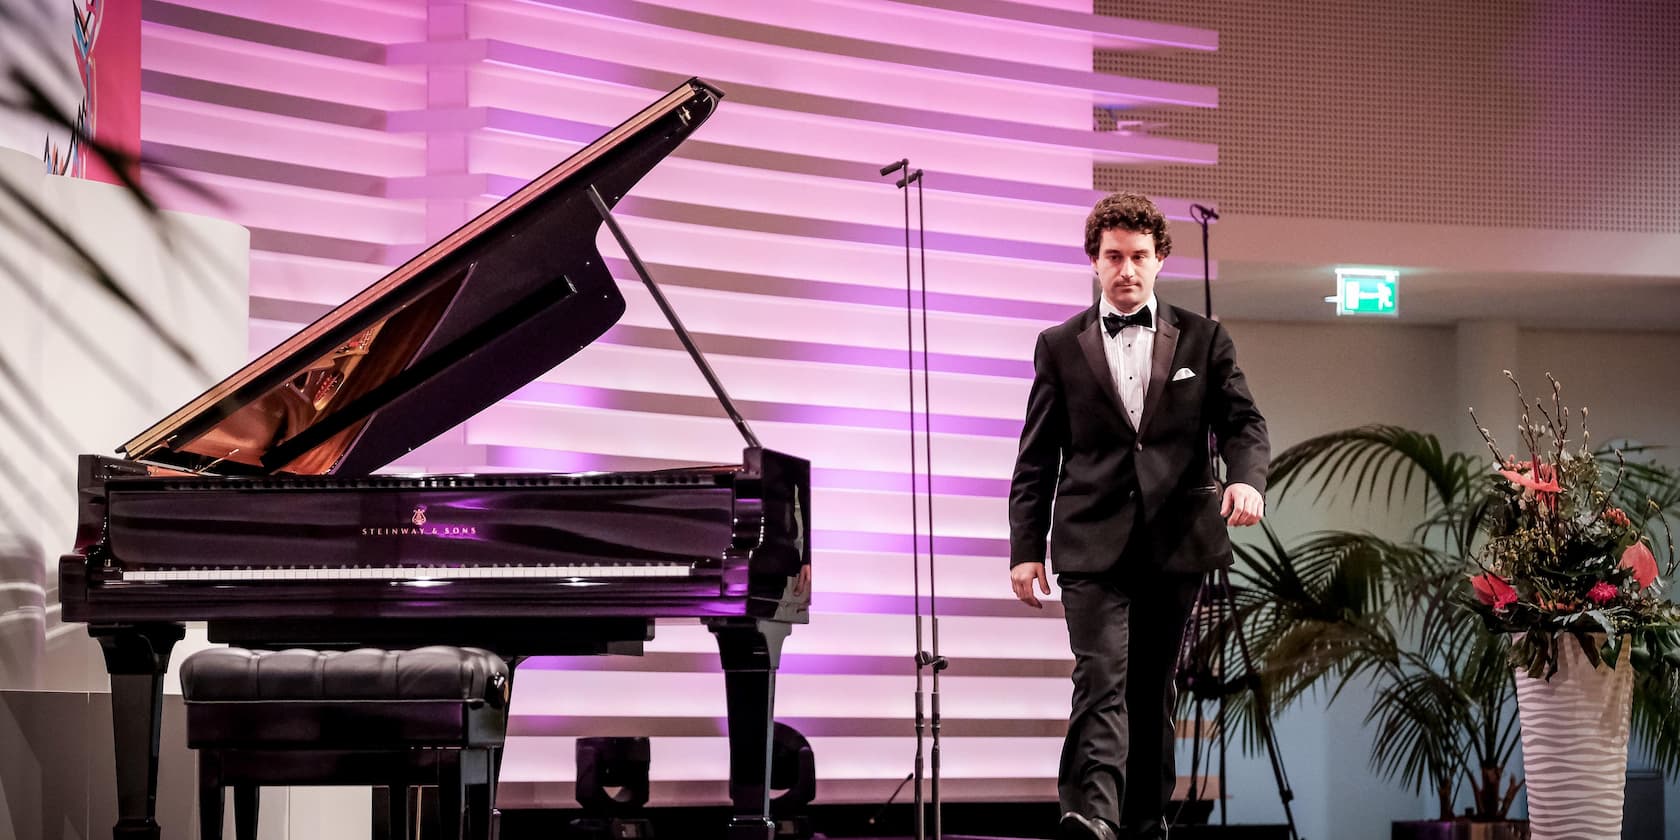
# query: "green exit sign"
{"points": [[1367, 291]]}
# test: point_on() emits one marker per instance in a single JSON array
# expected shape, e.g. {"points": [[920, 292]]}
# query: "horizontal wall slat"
{"points": [[347, 136]]}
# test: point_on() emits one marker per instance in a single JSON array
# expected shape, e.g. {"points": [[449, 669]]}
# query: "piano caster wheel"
{"points": [[749, 828], [132, 829], [597, 828]]}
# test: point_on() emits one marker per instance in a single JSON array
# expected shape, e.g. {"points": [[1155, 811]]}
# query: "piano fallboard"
{"points": [[693, 542], [676, 524]]}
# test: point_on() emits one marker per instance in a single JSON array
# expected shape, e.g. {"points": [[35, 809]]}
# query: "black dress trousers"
{"points": [[1124, 626]]}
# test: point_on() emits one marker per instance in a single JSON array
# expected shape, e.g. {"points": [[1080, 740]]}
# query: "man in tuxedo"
{"points": [[1115, 469]]}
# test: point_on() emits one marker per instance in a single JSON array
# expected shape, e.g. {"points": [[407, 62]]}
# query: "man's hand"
{"points": [[1243, 505], [1021, 579]]}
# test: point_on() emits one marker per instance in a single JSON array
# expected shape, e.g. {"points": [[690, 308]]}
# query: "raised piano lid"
{"points": [[487, 309]]}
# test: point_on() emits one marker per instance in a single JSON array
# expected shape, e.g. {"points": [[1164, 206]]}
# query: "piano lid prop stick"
{"points": [[671, 315]]}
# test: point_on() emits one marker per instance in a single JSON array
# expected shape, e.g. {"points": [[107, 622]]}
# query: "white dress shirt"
{"points": [[1130, 352]]}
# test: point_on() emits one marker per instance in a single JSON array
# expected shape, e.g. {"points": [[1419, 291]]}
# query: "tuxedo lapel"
{"points": [[1160, 364], [1091, 342]]}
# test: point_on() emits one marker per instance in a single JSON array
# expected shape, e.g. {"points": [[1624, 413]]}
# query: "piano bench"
{"points": [[386, 718]]}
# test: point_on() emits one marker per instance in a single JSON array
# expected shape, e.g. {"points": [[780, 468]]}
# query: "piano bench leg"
{"points": [[452, 796], [246, 799], [391, 808], [477, 812], [210, 796]]}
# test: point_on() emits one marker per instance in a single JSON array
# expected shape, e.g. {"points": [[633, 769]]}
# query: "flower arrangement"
{"points": [[1568, 551]]}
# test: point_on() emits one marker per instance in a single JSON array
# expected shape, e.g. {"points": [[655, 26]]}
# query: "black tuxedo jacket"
{"points": [[1089, 481]]}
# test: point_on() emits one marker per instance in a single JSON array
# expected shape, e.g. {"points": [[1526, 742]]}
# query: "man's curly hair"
{"points": [[1129, 212]]}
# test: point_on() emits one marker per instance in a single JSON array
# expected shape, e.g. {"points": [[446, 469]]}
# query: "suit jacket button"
{"points": [[1138, 446]]}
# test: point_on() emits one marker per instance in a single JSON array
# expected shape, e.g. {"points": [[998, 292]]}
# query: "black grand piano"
{"points": [[255, 507]]}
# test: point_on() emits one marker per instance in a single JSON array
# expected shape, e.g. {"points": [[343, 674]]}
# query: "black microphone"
{"points": [[895, 166], [910, 179], [1206, 213]]}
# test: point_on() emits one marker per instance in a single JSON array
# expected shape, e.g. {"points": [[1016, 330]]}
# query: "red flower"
{"points": [[1542, 479], [1602, 592], [1639, 558], [1493, 591], [1616, 516]]}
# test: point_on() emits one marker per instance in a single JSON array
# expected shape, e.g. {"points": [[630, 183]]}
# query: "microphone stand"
{"points": [[1202, 215], [923, 658], [1206, 679], [915, 516]]}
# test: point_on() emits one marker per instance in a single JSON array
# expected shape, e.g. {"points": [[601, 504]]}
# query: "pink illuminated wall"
{"points": [[348, 135]]}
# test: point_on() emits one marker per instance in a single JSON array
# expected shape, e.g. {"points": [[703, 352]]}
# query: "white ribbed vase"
{"points": [[1575, 737]]}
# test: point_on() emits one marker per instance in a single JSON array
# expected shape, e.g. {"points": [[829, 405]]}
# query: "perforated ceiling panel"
{"points": [[1510, 114]]}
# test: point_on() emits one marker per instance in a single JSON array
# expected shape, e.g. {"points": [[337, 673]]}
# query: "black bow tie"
{"points": [[1115, 323]]}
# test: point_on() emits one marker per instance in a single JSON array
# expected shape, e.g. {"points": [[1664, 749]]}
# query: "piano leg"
{"points": [[136, 656], [751, 650]]}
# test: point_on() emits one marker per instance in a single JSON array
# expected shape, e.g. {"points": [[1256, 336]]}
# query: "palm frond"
{"points": [[1656, 716], [27, 96], [1362, 457], [95, 270], [1416, 727], [1334, 574]]}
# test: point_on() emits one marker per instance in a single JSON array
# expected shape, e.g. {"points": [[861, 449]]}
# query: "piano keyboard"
{"points": [[411, 573]]}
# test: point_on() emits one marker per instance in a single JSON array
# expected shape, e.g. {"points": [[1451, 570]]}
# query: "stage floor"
{"points": [[965, 821]]}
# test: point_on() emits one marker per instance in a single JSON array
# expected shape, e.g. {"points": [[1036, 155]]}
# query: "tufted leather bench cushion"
{"points": [[358, 699]]}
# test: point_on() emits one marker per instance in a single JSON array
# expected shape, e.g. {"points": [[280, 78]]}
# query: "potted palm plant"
{"points": [[1568, 571], [1340, 608]]}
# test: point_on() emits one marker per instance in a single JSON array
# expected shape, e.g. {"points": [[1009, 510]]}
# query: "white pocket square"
{"points": [[1183, 373]]}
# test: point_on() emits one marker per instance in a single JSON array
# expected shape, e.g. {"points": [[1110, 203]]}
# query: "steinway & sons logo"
{"points": [[419, 526]]}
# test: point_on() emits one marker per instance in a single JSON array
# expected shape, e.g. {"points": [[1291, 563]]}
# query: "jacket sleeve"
{"points": [[1038, 464], [1235, 420]]}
